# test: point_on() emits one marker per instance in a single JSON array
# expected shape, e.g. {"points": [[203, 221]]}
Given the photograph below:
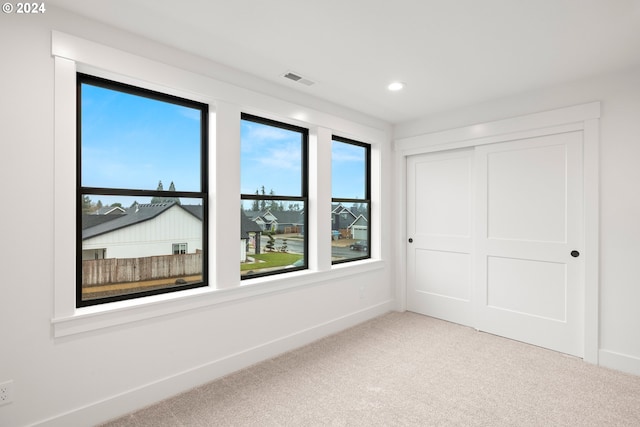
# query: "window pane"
{"points": [[129, 245], [271, 160], [350, 208], [348, 171], [131, 141], [349, 231], [272, 239]]}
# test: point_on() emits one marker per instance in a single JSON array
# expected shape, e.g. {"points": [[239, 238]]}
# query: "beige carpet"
{"points": [[404, 369]]}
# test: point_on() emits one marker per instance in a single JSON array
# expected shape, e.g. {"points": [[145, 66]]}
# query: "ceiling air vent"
{"points": [[298, 78]]}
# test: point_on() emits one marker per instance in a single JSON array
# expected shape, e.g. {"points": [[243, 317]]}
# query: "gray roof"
{"points": [[109, 210], [195, 210], [338, 208], [134, 215], [95, 225], [282, 217], [247, 226], [92, 220], [289, 217]]}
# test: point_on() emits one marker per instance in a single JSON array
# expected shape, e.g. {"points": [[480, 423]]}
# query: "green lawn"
{"points": [[270, 259]]}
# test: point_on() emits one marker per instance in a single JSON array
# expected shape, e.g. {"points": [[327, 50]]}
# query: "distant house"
{"points": [[348, 224], [279, 221], [143, 230], [152, 229], [359, 229]]}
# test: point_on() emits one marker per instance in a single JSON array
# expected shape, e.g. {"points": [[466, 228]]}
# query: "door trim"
{"points": [[583, 117]]}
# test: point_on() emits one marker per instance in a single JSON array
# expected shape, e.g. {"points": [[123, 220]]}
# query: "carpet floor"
{"points": [[405, 369]]}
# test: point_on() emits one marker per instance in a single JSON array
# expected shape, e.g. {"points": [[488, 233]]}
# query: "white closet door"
{"points": [[495, 239], [439, 226], [529, 233]]}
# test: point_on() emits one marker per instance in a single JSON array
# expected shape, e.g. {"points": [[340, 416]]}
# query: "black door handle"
{"points": [[575, 254], [410, 240]]}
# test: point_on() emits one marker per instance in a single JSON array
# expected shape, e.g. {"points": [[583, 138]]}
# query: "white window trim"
{"points": [[72, 54], [122, 312]]}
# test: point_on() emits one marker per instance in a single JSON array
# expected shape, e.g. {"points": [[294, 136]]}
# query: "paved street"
{"points": [[339, 250]]}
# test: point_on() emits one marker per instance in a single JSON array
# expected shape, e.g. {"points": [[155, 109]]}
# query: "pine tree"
{"points": [[87, 206], [263, 203], [273, 205], [164, 199], [271, 242], [172, 187], [255, 206], [157, 199]]}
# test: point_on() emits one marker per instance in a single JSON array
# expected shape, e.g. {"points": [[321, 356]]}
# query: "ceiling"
{"points": [[449, 53]]}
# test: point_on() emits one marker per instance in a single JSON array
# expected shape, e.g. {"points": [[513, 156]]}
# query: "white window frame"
{"points": [[73, 54]]}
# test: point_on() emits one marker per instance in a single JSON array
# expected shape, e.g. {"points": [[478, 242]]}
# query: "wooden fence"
{"points": [[121, 270]]}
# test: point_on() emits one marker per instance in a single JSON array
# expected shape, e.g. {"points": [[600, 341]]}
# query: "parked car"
{"points": [[360, 245]]}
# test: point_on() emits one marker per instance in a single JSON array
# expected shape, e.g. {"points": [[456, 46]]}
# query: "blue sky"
{"points": [[348, 173], [133, 142], [270, 156], [130, 141]]}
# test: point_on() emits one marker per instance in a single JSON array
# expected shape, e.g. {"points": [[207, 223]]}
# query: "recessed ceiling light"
{"points": [[396, 86]]}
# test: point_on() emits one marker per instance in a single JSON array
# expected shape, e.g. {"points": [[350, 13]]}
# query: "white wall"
{"points": [[88, 377], [83, 378], [619, 195]]}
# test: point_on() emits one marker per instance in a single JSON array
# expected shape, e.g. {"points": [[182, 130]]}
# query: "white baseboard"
{"points": [[619, 362], [148, 394]]}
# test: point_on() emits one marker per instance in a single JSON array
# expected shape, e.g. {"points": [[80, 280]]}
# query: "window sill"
{"points": [[88, 319]]}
